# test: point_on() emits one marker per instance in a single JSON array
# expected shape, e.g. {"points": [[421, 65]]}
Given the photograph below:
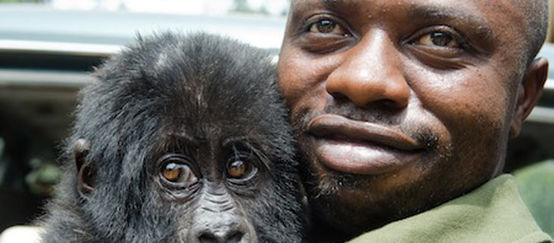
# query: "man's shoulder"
{"points": [[536, 186], [493, 212]]}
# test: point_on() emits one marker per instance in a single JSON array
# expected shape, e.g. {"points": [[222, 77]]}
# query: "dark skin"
{"points": [[399, 106]]}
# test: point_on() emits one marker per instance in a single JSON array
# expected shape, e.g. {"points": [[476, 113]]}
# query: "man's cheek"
{"points": [[291, 82], [463, 99]]}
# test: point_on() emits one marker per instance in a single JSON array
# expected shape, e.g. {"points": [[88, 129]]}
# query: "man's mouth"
{"points": [[358, 147]]}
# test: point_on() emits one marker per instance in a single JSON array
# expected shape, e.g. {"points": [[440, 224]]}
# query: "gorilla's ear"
{"points": [[86, 172]]}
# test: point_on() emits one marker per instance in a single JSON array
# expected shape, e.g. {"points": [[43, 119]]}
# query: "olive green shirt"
{"points": [[493, 212]]}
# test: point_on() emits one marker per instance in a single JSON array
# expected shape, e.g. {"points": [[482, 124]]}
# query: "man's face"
{"points": [[399, 105]]}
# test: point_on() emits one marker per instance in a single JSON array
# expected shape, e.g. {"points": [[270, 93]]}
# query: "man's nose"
{"points": [[371, 72]]}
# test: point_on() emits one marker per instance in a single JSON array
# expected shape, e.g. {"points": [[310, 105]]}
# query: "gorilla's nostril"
{"points": [[235, 237], [207, 238]]}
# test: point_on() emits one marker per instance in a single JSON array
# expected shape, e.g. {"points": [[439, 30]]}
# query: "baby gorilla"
{"points": [[180, 139]]}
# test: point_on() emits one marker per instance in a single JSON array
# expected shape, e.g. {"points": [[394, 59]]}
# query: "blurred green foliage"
{"points": [[536, 185], [43, 178]]}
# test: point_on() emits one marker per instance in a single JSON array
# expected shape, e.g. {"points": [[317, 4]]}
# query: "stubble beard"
{"points": [[325, 187]]}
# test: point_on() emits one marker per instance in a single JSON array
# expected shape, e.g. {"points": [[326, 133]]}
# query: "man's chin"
{"points": [[337, 220], [334, 200], [346, 204]]}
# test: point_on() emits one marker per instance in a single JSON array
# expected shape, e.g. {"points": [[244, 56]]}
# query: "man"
{"points": [[403, 110]]}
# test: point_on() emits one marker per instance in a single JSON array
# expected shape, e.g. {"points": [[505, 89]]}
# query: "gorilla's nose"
{"points": [[222, 228], [231, 237]]}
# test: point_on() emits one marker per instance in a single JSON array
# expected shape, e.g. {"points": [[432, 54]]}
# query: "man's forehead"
{"points": [[481, 6]]}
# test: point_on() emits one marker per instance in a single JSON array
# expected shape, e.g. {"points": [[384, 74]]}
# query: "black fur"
{"points": [[209, 88]]}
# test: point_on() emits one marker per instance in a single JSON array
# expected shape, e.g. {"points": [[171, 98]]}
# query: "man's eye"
{"points": [[438, 39], [327, 26], [177, 171]]}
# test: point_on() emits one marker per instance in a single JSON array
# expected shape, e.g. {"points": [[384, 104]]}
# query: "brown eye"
{"points": [[439, 39], [327, 26], [178, 173], [239, 167]]}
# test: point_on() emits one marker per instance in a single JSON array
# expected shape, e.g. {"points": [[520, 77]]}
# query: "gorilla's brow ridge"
{"points": [[176, 142]]}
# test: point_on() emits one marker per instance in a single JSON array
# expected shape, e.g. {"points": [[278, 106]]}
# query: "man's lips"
{"points": [[359, 147]]}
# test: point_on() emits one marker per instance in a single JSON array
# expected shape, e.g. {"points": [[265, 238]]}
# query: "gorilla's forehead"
{"points": [[201, 89]]}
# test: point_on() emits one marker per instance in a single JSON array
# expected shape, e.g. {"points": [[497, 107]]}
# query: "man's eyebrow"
{"points": [[336, 4], [437, 12], [330, 3], [479, 25]]}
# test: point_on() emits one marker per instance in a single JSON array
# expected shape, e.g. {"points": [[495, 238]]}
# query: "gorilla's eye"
{"points": [[240, 166], [178, 173], [177, 170], [238, 169]]}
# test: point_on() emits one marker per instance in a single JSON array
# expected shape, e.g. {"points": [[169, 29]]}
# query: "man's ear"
{"points": [[86, 172], [529, 91]]}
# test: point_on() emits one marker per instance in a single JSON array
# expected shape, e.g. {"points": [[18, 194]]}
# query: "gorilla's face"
{"points": [[183, 139]]}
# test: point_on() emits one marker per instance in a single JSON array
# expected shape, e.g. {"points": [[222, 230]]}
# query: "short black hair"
{"points": [[536, 14]]}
